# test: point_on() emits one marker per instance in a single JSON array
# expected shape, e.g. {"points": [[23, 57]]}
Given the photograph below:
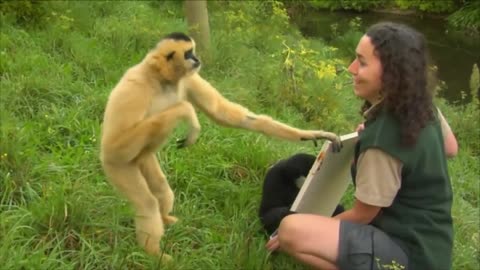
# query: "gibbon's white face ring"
{"points": [[195, 64]]}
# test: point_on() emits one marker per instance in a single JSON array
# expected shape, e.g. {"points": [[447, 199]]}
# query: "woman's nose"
{"points": [[353, 68]]}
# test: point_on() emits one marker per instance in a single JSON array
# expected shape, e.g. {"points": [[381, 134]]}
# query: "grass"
{"points": [[56, 209]]}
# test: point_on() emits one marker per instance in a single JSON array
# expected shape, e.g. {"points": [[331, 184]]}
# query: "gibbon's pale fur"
{"points": [[150, 100]]}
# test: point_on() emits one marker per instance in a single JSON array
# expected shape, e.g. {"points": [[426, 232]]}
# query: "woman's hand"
{"points": [[273, 244], [360, 127]]}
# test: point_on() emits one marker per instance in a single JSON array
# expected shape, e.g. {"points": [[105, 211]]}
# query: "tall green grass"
{"points": [[57, 69]]}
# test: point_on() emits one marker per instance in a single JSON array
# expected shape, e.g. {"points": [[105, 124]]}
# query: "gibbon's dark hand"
{"points": [[181, 143], [336, 145], [191, 139]]}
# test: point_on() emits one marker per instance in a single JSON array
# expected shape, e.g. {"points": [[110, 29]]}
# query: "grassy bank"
{"points": [[59, 62]]}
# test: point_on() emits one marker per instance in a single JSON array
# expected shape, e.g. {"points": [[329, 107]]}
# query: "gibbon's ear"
{"points": [[162, 62], [170, 56], [156, 62]]}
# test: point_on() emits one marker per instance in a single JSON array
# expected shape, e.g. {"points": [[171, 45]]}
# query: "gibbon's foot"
{"points": [[165, 258], [152, 247], [169, 219], [157, 252]]}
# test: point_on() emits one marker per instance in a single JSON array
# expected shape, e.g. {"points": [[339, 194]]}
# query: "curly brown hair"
{"points": [[406, 93]]}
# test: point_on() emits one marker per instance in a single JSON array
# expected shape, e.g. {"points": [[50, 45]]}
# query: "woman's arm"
{"points": [[449, 139], [361, 213], [378, 180]]}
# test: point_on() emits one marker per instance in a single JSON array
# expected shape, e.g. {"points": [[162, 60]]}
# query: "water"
{"points": [[454, 54]]}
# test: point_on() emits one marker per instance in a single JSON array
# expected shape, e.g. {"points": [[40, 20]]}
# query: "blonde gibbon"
{"points": [[145, 106]]}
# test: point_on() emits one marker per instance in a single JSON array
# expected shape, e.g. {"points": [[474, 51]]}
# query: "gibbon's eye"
{"points": [[170, 56], [189, 54]]}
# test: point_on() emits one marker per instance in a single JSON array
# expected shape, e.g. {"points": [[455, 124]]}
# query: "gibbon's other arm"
{"points": [[127, 134], [231, 114], [124, 134]]}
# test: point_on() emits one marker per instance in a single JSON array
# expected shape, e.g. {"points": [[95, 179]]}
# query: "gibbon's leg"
{"points": [[228, 113], [149, 133], [130, 182], [158, 185]]}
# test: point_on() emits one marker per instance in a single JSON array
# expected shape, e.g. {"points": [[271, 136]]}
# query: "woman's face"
{"points": [[366, 70]]}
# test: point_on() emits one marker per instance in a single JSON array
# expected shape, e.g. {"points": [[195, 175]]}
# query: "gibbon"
{"points": [[145, 106], [280, 188]]}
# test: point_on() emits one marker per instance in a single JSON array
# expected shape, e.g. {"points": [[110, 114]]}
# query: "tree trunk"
{"points": [[197, 19]]}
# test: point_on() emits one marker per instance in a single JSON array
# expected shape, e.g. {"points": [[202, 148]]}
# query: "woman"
{"points": [[401, 215]]}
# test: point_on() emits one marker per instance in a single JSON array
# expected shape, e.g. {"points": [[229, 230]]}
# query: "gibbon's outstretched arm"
{"points": [[231, 114]]}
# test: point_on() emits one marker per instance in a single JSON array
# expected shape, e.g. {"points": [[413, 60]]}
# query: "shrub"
{"points": [[467, 17], [24, 12]]}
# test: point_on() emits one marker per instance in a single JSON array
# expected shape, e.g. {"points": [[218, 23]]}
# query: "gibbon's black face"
{"points": [[190, 56]]}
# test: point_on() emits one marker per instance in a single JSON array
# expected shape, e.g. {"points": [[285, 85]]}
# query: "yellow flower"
{"points": [[326, 71]]}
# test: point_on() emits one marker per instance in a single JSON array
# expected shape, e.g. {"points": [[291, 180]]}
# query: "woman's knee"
{"points": [[303, 232], [289, 233]]}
